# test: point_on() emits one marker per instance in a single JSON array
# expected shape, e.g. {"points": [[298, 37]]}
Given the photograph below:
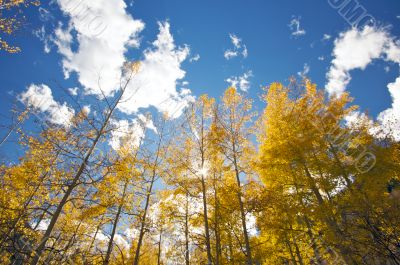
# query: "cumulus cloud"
{"points": [[147, 122], [251, 224], [295, 27], [390, 118], [103, 34], [125, 130], [130, 131], [121, 242], [356, 118], [238, 48], [40, 98], [104, 31], [155, 83], [73, 91], [241, 82], [42, 225], [356, 49], [101, 240]]}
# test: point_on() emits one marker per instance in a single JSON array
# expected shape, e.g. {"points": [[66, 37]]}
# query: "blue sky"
{"points": [[206, 27]]}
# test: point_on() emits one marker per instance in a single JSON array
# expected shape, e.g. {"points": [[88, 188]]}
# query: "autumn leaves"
{"points": [[216, 186]]}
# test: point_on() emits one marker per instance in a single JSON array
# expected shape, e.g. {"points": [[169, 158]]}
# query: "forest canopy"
{"points": [[294, 184], [137, 167]]}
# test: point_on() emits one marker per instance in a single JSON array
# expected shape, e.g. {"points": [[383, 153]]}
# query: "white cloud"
{"points": [[321, 58], [388, 123], [295, 27], [155, 83], [387, 69], [390, 118], [121, 242], [356, 49], [238, 48], [100, 56], [245, 53], [86, 109], [174, 232], [195, 58], [326, 37], [73, 91], [42, 225], [44, 14], [306, 70], [235, 41], [40, 98], [41, 35], [123, 130], [356, 118], [229, 54], [102, 238], [147, 122], [251, 224], [132, 233], [104, 32], [241, 82]]}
